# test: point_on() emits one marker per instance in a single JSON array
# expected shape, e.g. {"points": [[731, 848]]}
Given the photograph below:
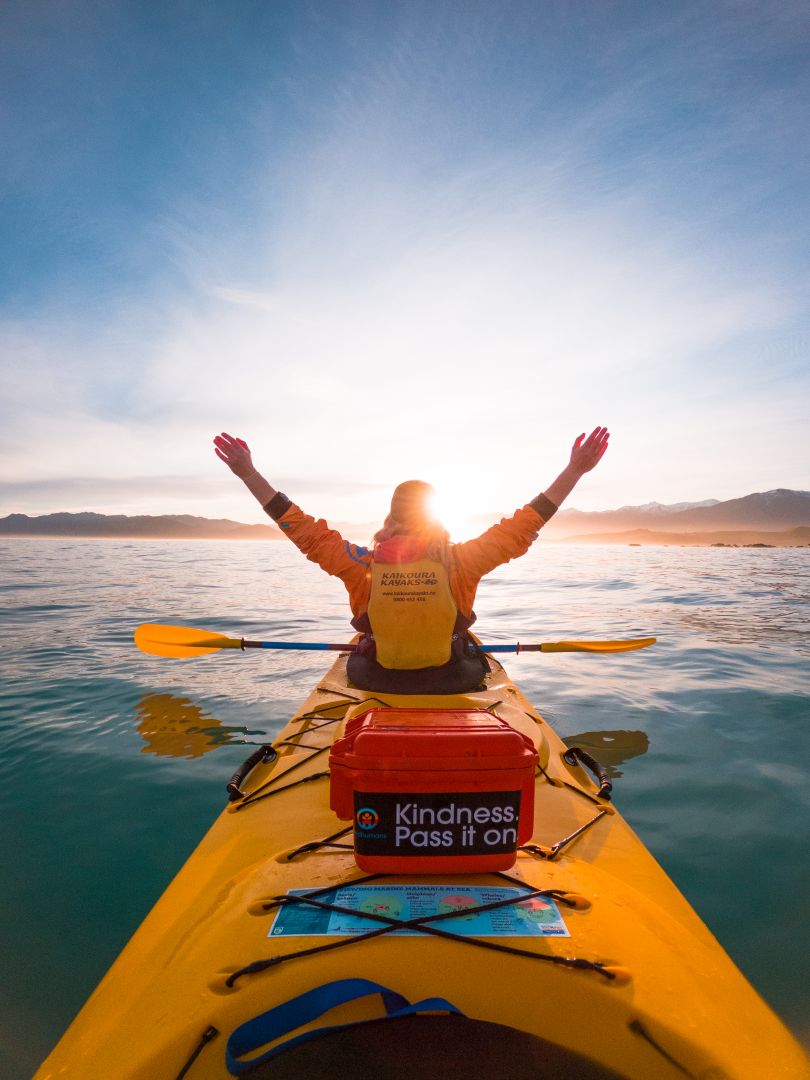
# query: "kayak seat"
{"points": [[465, 675], [430, 1048]]}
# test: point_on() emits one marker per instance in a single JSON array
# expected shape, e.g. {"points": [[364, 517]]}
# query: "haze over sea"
{"points": [[114, 763]]}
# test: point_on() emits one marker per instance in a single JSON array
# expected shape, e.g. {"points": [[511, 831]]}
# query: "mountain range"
{"points": [[779, 517], [162, 527], [770, 510]]}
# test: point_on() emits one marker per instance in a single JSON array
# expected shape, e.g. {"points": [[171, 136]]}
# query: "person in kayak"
{"points": [[412, 593]]}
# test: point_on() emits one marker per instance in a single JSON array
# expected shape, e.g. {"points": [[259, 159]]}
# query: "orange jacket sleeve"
{"points": [[473, 559], [331, 552]]}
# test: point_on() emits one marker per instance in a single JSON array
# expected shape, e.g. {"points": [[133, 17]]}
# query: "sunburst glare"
{"points": [[454, 511]]}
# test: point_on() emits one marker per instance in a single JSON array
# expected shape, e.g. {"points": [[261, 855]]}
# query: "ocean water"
{"points": [[113, 763]]}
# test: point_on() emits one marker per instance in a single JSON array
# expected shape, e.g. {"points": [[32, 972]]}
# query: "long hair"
{"points": [[410, 516]]}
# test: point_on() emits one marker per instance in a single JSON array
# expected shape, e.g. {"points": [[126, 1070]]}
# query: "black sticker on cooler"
{"points": [[427, 823]]}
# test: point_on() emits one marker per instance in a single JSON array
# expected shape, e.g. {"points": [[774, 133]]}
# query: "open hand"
{"points": [[235, 453], [586, 455]]}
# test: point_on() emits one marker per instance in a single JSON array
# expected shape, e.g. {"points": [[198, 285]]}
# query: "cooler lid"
{"points": [[452, 738]]}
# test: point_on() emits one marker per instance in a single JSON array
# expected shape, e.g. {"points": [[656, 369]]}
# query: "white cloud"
{"points": [[481, 346], [422, 308]]}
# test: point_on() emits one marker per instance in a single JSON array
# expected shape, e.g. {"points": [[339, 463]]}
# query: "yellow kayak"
{"points": [[582, 960]]}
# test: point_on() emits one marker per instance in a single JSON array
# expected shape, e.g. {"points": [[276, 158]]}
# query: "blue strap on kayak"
{"points": [[309, 1006]]}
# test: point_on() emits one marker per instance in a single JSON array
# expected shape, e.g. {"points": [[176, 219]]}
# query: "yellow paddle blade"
{"points": [[177, 641], [597, 646]]}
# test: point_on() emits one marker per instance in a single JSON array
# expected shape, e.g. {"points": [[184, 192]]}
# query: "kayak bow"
{"points": [[584, 959]]}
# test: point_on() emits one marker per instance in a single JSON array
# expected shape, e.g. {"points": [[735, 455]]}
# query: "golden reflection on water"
{"points": [[611, 748], [176, 727]]}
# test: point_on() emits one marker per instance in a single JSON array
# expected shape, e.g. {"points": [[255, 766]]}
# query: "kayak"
{"points": [[274, 953]]}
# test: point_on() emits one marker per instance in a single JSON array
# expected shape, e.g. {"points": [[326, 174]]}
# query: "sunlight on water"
{"points": [[114, 763]]}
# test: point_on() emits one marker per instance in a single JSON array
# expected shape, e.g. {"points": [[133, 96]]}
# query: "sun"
{"points": [[455, 510]]}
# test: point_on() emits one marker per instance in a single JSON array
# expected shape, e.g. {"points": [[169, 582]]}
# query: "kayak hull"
{"points": [[660, 999]]}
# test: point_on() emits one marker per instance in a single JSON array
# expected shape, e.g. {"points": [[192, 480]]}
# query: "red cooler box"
{"points": [[434, 791]]}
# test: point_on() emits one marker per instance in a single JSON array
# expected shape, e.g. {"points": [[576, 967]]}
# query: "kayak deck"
{"points": [[651, 993]]}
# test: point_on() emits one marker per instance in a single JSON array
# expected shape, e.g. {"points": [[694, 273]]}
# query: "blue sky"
{"points": [[384, 240]]}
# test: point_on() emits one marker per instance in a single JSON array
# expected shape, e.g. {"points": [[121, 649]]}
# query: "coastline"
{"points": [[734, 539]]}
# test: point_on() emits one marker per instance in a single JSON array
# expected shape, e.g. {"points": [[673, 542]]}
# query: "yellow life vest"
{"points": [[412, 614]]}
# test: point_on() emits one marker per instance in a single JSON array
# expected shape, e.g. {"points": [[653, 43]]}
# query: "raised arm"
{"points": [[513, 536], [236, 455], [585, 455], [315, 539]]}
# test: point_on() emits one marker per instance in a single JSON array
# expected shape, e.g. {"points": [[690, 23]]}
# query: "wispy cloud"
{"points": [[478, 236], [156, 494]]}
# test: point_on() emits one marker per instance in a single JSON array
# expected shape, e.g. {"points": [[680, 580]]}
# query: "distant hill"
{"points": [[772, 510], [163, 527], [158, 527], [799, 537]]}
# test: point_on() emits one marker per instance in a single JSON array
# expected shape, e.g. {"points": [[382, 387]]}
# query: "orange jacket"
{"points": [[469, 561]]}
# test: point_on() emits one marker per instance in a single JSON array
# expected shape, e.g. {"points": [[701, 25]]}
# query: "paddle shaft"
{"points": [[321, 646]]}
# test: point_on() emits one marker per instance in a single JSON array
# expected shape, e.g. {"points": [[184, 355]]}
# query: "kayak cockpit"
{"points": [[430, 1048]]}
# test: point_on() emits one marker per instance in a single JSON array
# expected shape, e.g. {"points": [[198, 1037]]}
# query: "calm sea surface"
{"points": [[113, 763]]}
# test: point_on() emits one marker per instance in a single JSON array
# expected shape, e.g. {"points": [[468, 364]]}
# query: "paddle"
{"points": [[179, 641]]}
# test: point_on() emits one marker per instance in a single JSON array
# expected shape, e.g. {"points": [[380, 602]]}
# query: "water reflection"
{"points": [[175, 727], [611, 748]]}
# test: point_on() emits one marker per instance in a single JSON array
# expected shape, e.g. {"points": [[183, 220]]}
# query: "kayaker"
{"points": [[412, 593]]}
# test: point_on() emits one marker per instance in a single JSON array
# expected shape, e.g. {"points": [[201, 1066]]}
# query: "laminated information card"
{"points": [[537, 916]]}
